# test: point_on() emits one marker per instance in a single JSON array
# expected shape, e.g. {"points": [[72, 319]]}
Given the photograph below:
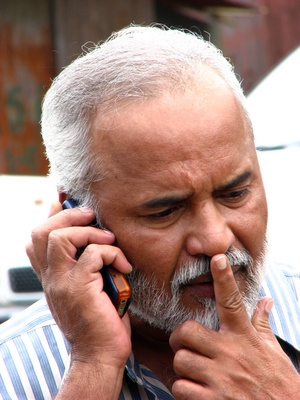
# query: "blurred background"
{"points": [[38, 38]]}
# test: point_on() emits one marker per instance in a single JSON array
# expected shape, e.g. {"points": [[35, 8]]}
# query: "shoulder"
{"points": [[282, 284], [31, 318], [33, 354], [282, 278]]}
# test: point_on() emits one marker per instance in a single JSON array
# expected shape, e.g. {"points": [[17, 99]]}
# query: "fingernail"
{"points": [[221, 262], [85, 209], [269, 306], [107, 231]]}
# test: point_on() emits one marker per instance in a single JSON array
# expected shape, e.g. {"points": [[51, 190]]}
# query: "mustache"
{"points": [[201, 265]]}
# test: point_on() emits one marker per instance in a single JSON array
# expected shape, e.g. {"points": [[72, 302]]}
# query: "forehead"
{"points": [[174, 137]]}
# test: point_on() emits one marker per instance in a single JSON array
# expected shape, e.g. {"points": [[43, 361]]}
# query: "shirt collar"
{"points": [[143, 376]]}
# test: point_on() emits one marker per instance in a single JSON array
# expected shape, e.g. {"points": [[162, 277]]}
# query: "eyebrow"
{"points": [[236, 181], [165, 201], [161, 202]]}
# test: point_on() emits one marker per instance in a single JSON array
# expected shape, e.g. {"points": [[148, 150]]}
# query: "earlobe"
{"points": [[62, 197]]}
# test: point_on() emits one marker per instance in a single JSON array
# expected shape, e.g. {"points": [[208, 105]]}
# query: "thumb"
{"points": [[260, 319]]}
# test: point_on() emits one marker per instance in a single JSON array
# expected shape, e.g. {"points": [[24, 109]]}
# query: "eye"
{"points": [[168, 212], [235, 195]]}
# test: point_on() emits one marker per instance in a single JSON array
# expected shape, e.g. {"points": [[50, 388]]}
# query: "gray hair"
{"points": [[133, 64]]}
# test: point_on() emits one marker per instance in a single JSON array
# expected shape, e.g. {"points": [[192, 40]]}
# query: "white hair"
{"points": [[133, 64]]}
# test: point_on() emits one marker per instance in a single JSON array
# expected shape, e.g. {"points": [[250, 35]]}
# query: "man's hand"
{"points": [[99, 339], [243, 360]]}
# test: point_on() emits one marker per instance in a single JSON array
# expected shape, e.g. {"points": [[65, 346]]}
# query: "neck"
{"points": [[151, 348]]}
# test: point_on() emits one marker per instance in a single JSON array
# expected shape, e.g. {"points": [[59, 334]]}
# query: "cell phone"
{"points": [[114, 282]]}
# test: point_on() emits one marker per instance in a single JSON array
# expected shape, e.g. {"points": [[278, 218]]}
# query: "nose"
{"points": [[210, 230]]}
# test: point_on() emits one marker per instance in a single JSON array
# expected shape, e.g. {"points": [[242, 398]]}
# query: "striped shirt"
{"points": [[34, 355]]}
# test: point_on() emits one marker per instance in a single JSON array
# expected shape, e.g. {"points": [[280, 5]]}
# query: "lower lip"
{"points": [[205, 289], [202, 289]]}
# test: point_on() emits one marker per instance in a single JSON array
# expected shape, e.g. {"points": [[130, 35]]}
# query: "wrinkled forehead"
{"points": [[172, 125]]}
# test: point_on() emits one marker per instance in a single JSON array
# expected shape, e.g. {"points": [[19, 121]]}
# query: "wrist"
{"points": [[93, 380]]}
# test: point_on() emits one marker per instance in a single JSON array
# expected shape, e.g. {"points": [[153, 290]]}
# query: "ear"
{"points": [[62, 197]]}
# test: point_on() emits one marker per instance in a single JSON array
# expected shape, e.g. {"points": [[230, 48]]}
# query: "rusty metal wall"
{"points": [[80, 22], [25, 71], [38, 38], [258, 40]]}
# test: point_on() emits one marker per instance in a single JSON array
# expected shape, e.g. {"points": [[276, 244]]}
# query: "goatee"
{"points": [[165, 311]]}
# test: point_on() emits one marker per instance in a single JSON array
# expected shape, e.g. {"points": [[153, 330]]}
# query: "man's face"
{"points": [[182, 184]]}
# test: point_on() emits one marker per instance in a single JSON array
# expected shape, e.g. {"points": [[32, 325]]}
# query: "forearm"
{"points": [[91, 381]]}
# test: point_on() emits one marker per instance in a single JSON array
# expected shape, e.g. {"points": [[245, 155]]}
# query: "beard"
{"points": [[165, 311]]}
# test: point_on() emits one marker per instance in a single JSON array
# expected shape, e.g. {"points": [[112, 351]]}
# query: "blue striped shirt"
{"points": [[34, 355]]}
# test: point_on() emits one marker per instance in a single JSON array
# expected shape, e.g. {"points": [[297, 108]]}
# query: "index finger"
{"points": [[229, 300], [55, 208], [37, 249]]}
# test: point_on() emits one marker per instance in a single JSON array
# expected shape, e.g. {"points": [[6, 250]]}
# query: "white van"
{"points": [[275, 111], [24, 203]]}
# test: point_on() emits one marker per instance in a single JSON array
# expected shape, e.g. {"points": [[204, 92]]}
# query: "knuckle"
{"points": [[179, 361], [187, 328], [180, 390], [55, 236], [37, 233], [29, 249], [234, 301]]}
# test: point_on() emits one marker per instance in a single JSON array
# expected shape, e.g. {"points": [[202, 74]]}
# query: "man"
{"points": [[150, 133]]}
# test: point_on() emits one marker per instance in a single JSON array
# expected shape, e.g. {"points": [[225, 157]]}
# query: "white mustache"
{"points": [[200, 266]]}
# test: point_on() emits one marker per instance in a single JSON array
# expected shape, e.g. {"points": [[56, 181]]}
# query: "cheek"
{"points": [[154, 251], [251, 226]]}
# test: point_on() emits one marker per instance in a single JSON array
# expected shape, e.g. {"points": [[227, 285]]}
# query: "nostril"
{"points": [[210, 243]]}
